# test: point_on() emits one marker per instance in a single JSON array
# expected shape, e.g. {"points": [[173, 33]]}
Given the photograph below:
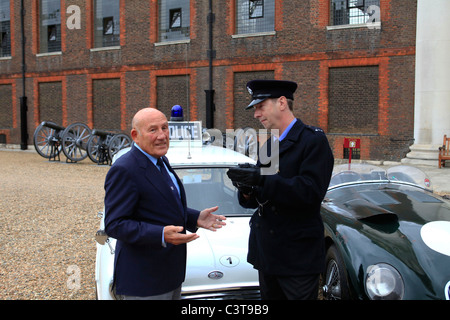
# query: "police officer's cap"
{"points": [[265, 89]]}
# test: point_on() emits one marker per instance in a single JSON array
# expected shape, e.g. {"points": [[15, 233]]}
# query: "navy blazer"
{"points": [[286, 236], [138, 204]]}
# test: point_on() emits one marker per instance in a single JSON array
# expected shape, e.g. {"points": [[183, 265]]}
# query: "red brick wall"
{"points": [[301, 49], [353, 100], [7, 119]]}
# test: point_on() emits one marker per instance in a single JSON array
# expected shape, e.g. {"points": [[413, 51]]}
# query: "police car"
{"points": [[217, 265]]}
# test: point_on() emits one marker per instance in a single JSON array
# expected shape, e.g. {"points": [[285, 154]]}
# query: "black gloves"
{"points": [[245, 175]]}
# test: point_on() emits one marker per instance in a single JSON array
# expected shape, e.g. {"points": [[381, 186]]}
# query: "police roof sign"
{"points": [[184, 130], [181, 132]]}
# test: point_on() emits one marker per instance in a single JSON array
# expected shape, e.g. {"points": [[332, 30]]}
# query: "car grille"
{"points": [[230, 294]]}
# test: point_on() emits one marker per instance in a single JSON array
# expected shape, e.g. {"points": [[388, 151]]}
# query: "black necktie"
{"points": [[167, 178]]}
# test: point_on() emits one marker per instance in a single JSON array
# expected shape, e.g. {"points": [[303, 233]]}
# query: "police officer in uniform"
{"points": [[286, 242]]}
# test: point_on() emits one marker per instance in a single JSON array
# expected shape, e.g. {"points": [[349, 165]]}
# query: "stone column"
{"points": [[432, 83]]}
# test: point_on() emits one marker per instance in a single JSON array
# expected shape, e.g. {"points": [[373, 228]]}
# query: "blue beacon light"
{"points": [[177, 113]]}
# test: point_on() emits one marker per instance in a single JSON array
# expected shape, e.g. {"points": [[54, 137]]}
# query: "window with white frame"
{"points": [[49, 26], [174, 20], [354, 11], [255, 16], [5, 29], [106, 23]]}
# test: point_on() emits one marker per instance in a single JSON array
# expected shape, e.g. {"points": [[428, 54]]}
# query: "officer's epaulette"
{"points": [[314, 129]]}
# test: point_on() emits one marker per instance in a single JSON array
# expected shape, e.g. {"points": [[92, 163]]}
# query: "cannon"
{"points": [[103, 145], [49, 139]]}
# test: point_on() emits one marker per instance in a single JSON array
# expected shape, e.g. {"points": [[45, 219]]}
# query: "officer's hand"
{"points": [[243, 188], [245, 174]]}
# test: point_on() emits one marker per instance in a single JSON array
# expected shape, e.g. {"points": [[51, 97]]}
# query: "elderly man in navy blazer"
{"points": [[145, 210]]}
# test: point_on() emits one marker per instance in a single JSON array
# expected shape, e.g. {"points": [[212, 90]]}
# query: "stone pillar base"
{"points": [[422, 154]]}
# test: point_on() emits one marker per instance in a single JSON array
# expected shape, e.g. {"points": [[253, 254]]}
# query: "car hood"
{"points": [[217, 260], [402, 226]]}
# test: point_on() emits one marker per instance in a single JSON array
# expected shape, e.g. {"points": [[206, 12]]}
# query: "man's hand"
{"points": [[172, 235], [210, 221], [245, 174]]}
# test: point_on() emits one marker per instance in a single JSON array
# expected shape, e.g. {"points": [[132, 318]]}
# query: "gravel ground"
{"points": [[48, 218]]}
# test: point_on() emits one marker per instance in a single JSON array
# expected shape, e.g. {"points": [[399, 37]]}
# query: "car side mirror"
{"points": [[101, 237]]}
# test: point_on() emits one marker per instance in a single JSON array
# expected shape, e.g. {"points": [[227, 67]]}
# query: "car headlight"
{"points": [[384, 282]]}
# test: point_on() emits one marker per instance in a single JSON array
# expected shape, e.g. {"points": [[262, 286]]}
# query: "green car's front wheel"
{"points": [[335, 284]]}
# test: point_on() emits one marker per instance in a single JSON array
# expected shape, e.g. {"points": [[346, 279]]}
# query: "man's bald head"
{"points": [[150, 131], [143, 115]]}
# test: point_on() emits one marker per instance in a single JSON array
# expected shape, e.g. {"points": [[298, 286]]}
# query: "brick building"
{"points": [[99, 61]]}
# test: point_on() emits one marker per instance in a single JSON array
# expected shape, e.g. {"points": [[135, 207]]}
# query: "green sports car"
{"points": [[387, 235]]}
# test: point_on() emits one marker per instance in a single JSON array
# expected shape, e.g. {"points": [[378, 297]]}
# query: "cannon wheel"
{"points": [[47, 141], [97, 149], [118, 142], [74, 141]]}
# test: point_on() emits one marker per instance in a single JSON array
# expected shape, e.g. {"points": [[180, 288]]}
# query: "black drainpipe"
{"points": [[210, 107], [23, 98]]}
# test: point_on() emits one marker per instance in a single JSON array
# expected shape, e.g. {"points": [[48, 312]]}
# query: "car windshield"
{"points": [[209, 187], [357, 173]]}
